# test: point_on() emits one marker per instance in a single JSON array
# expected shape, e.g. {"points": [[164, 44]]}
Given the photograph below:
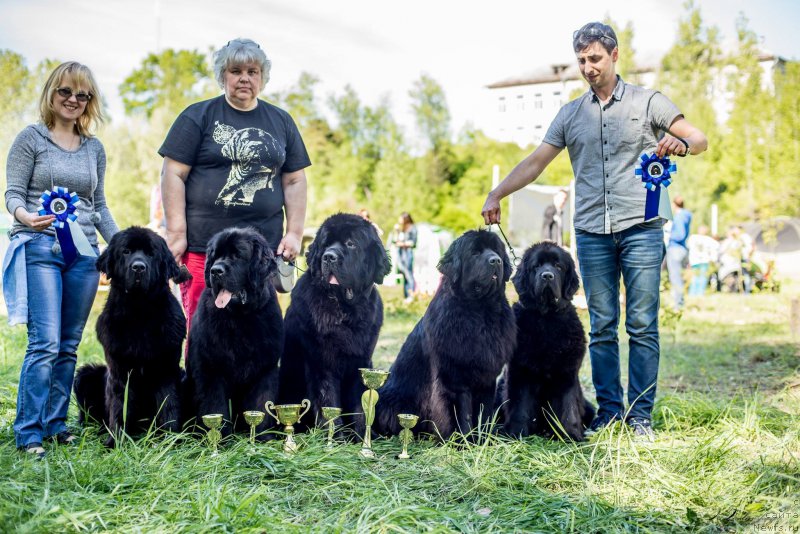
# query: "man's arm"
{"points": [[173, 200], [294, 201], [524, 173], [682, 129]]}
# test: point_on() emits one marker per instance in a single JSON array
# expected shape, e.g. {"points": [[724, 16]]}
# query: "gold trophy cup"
{"points": [[407, 421], [373, 379], [330, 414], [288, 415], [213, 421], [253, 418]]}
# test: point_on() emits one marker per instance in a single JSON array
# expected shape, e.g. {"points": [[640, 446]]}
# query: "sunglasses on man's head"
{"points": [[66, 92], [594, 31]]}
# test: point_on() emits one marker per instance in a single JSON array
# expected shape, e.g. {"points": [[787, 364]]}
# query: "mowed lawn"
{"points": [[726, 458]]}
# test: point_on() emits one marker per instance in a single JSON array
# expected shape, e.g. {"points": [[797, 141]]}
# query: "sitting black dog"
{"points": [[236, 336], [141, 329], [447, 368], [540, 389], [333, 321]]}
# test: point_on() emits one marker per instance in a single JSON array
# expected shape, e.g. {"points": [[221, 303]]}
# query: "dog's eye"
{"points": [[350, 243], [126, 251], [559, 267]]}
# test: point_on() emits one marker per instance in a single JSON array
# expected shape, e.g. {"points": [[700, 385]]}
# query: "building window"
{"points": [[520, 103], [501, 104], [537, 101]]}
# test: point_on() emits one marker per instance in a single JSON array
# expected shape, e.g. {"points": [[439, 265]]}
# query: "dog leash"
{"points": [[517, 261]]}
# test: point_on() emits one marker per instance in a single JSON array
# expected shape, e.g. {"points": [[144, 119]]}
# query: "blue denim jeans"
{"points": [[699, 282], [60, 297], [636, 254], [676, 262], [405, 265]]}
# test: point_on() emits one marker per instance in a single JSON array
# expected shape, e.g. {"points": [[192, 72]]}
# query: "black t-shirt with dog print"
{"points": [[237, 159]]}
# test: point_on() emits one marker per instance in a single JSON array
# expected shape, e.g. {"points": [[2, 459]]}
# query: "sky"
{"points": [[379, 48]]}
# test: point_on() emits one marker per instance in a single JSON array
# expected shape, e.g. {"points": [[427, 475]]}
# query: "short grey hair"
{"points": [[239, 52], [594, 32]]}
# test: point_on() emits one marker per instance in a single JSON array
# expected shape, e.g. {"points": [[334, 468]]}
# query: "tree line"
{"points": [[362, 157]]}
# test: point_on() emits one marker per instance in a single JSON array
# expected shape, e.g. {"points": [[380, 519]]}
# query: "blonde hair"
{"points": [[81, 76]]}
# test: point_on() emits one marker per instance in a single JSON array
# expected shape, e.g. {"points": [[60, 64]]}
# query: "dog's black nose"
{"points": [[494, 259], [547, 275], [330, 257], [138, 267], [217, 270]]}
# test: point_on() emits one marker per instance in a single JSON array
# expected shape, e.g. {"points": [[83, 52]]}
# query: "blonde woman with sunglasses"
{"points": [[49, 273]]}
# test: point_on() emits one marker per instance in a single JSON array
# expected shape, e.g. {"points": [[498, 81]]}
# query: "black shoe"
{"points": [[642, 429], [35, 448], [600, 422], [65, 437]]}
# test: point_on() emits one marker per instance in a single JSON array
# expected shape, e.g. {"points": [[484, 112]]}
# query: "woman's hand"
{"points": [[289, 247], [34, 220]]}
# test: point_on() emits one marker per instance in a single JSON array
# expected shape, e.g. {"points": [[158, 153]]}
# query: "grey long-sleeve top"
{"points": [[36, 164]]}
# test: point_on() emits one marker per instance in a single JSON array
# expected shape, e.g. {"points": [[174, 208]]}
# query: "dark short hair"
{"points": [[594, 32]]}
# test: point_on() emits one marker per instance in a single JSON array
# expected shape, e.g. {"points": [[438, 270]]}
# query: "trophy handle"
{"points": [[305, 403], [267, 406]]}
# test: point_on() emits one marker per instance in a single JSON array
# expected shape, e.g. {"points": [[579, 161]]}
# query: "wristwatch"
{"points": [[686, 144]]}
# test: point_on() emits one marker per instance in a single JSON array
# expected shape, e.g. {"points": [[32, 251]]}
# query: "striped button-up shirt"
{"points": [[604, 142]]}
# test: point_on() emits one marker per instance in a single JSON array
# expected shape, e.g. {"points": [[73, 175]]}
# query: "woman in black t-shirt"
{"points": [[233, 160]]}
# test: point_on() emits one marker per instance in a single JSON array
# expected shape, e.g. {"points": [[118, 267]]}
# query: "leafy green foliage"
{"points": [[171, 79]]}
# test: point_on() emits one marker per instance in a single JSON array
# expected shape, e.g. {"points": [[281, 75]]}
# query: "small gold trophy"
{"points": [[373, 379], [407, 421], [213, 421], [253, 418], [330, 414], [288, 415]]}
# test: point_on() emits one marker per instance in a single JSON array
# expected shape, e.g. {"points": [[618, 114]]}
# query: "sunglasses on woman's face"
{"points": [[66, 92]]}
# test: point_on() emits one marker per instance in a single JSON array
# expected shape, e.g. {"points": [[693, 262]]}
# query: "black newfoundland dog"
{"points": [[333, 321], [141, 329], [447, 368], [540, 389], [236, 337]]}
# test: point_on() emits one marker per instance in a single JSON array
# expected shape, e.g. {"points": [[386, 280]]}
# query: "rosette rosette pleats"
{"points": [[64, 205], [656, 174]]}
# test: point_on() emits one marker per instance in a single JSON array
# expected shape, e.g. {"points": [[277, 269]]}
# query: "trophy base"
{"points": [[403, 456], [366, 453]]}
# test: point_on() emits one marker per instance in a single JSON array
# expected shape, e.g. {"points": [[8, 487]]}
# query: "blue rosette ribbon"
{"points": [[656, 174], [64, 205]]}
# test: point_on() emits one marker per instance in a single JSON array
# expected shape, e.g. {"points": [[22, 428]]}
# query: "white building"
{"points": [[520, 109]]}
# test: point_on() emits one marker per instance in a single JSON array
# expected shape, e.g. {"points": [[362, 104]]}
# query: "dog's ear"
{"points": [[316, 249], [450, 264], [382, 264], [507, 266], [571, 281], [105, 262], [178, 273], [210, 253], [520, 279], [102, 262], [262, 262]]}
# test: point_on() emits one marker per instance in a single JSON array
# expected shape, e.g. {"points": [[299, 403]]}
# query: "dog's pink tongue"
{"points": [[332, 280], [223, 297]]}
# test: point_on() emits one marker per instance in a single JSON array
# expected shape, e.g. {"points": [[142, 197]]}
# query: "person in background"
{"points": [[364, 213], [605, 131], [553, 224], [703, 250], [677, 251], [48, 284], [233, 160], [405, 239]]}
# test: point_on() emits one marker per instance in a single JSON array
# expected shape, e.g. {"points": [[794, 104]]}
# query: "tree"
{"points": [[688, 70], [432, 115], [171, 79]]}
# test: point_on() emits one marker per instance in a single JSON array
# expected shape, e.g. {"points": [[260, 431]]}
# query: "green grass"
{"points": [[727, 457]]}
